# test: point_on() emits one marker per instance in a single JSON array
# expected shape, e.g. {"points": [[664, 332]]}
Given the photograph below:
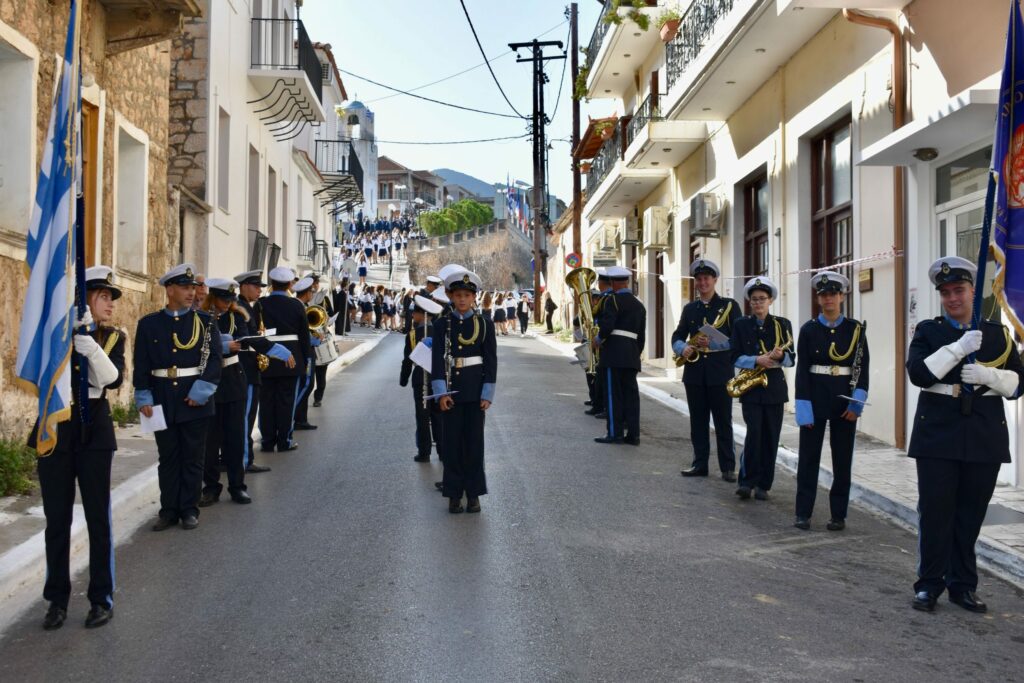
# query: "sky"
{"points": [[410, 43]]}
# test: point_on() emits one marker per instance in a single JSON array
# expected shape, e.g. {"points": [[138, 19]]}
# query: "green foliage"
{"points": [[17, 464], [124, 414], [635, 15], [667, 16], [462, 215], [579, 90]]}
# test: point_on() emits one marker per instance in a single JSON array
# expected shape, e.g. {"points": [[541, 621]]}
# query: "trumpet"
{"points": [[692, 341], [745, 380]]}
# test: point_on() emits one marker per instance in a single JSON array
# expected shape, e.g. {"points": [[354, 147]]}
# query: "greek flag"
{"points": [[44, 342]]}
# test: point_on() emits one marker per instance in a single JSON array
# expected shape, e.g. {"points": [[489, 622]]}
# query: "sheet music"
{"points": [[422, 356], [156, 423]]}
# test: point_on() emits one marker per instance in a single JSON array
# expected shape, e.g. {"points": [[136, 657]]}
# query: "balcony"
{"points": [[337, 162], [616, 51], [321, 257], [307, 240], [652, 142], [613, 188], [132, 24], [286, 75], [726, 50]]}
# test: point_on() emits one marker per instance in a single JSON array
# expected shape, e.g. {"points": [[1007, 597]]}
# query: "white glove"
{"points": [[949, 356], [85, 345], [1003, 382], [85, 320], [102, 370], [967, 344]]}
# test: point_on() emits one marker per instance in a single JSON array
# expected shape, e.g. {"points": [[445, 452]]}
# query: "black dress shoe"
{"points": [[455, 505], [632, 440], [601, 416], [189, 522], [743, 492], [241, 497], [729, 476], [304, 426], [592, 411], [760, 494], [609, 439], [256, 469], [968, 600], [472, 505], [802, 523], [588, 403], [293, 446], [98, 616], [923, 601], [421, 458], [836, 524], [55, 617], [208, 499], [164, 523], [694, 472], [438, 485], [316, 404]]}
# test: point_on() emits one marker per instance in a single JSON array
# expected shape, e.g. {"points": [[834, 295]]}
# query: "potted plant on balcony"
{"points": [[635, 15], [605, 129], [668, 23], [585, 166]]}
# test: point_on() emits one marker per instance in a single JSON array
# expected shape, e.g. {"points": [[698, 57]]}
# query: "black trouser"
{"points": [[181, 448], [623, 407], [462, 451], [547, 320], [226, 441], [595, 403], [428, 424], [57, 474], [278, 397], [841, 434], [707, 403], [305, 391], [320, 374], [524, 322], [953, 497], [377, 313], [761, 447], [252, 407]]}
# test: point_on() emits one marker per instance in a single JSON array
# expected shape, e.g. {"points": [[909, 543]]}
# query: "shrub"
{"points": [[124, 414], [17, 465]]}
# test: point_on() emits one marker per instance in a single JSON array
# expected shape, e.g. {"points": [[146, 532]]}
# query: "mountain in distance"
{"points": [[478, 187]]}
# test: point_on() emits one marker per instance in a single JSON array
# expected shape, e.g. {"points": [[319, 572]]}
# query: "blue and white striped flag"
{"points": [[44, 342]]}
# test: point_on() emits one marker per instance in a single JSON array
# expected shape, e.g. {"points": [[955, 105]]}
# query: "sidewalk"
{"points": [[134, 501], [884, 479]]}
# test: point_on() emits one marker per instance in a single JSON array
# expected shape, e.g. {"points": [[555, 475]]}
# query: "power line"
{"points": [[428, 99], [561, 81], [484, 55], [464, 71], [454, 142]]}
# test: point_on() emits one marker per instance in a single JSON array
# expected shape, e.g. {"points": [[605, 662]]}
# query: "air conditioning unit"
{"points": [[657, 229], [610, 235], [630, 232], [707, 215]]}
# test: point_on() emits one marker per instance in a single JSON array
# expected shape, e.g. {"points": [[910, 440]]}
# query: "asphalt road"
{"points": [[596, 563]]}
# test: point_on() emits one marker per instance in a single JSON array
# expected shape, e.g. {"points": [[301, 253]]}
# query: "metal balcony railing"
{"points": [[597, 37], [396, 195], [307, 240], [273, 256], [284, 44], [257, 249], [644, 114], [696, 27], [322, 258], [610, 152], [338, 158]]}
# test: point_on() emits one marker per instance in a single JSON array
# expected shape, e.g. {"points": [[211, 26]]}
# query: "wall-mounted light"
{"points": [[925, 153]]}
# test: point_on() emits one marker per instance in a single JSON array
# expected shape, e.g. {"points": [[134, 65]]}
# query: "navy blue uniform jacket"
{"points": [[747, 340], [621, 311], [712, 369], [286, 315], [468, 381]]}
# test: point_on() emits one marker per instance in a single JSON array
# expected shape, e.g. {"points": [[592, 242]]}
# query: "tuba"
{"points": [[316, 318], [745, 380], [580, 280]]}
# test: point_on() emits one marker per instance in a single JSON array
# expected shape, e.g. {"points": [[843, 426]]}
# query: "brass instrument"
{"points": [[262, 360], [692, 341], [316, 319], [745, 380], [580, 280]]}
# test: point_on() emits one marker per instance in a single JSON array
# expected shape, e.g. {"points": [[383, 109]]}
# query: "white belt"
{"points": [[944, 389], [625, 333], [467, 361], [283, 337], [230, 360], [175, 372], [834, 370]]}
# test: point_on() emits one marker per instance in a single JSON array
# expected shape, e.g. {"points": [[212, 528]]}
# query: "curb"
{"points": [[993, 555], [132, 504]]}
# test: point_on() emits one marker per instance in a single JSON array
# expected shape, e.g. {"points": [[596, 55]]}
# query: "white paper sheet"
{"points": [[714, 335], [421, 356], [156, 423]]}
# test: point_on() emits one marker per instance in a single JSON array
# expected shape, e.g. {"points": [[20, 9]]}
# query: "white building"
{"points": [[779, 136], [360, 128]]}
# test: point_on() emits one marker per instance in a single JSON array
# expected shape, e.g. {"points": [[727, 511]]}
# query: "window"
{"points": [[18, 166], [254, 188], [832, 206], [272, 205], [755, 226], [223, 158], [284, 217], [963, 177], [131, 200]]}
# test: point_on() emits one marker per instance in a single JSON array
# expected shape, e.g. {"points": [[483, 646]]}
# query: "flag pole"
{"points": [[74, 133]]}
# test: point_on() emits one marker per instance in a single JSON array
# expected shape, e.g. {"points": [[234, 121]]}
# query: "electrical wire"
{"points": [[487, 61], [428, 99], [561, 81], [453, 142], [464, 71]]}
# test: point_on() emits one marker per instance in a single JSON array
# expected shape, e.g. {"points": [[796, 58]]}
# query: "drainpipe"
{"points": [[899, 117]]}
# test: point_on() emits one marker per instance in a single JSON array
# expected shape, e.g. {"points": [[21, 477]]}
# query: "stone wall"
{"points": [[189, 107], [501, 257], [135, 85]]}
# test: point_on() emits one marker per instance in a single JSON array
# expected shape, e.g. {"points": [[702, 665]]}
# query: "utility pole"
{"points": [[539, 200], [577, 187]]}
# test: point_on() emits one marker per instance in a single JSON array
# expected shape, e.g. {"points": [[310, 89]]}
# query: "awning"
{"points": [[958, 123]]}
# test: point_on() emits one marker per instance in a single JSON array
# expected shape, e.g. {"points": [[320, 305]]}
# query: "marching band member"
{"points": [[761, 342], [177, 367], [321, 298], [282, 381], [226, 439], [832, 369], [621, 337], [596, 382], [303, 290], [428, 421], [960, 437], [464, 345], [708, 369], [84, 452]]}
